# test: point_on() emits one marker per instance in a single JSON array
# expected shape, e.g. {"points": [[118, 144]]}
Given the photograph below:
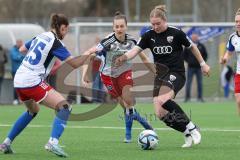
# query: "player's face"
{"points": [[237, 22], [158, 24], [119, 27], [63, 30]]}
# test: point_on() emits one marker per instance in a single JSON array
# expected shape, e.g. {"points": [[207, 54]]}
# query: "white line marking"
{"points": [[122, 128]]}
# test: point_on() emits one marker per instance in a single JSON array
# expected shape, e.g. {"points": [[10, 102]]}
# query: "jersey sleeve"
{"points": [[60, 51], [143, 42], [100, 47], [184, 39], [229, 46], [28, 44]]}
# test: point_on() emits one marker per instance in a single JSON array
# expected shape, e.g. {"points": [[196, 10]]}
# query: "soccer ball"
{"points": [[148, 140]]}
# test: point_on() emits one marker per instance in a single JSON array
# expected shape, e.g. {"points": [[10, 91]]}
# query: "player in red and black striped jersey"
{"points": [[118, 80]]}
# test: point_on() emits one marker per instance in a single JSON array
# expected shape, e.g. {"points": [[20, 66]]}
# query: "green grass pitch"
{"points": [[102, 138]]}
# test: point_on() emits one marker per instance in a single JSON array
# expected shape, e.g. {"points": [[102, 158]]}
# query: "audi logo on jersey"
{"points": [[162, 50]]}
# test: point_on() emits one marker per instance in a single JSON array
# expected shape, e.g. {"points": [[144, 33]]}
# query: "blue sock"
{"points": [[141, 120], [20, 124], [60, 122], [128, 125]]}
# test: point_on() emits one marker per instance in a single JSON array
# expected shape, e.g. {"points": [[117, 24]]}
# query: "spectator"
{"points": [[97, 85], [3, 60], [226, 79], [194, 69], [16, 58]]}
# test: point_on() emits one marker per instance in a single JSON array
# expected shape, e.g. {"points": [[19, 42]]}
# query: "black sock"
{"points": [[176, 118]]}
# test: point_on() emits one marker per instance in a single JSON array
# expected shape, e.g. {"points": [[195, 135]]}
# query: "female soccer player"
{"points": [[118, 80], [166, 43], [32, 88], [234, 45]]}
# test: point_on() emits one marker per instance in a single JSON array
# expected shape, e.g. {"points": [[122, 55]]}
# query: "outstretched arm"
{"points": [[127, 56], [85, 78], [205, 68], [76, 62], [147, 62]]}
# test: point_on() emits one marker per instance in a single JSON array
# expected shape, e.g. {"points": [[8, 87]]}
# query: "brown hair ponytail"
{"points": [[56, 21], [119, 15]]}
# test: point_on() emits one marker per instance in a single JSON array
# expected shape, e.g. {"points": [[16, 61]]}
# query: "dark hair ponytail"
{"points": [[56, 21]]}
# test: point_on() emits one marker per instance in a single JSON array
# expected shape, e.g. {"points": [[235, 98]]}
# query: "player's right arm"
{"points": [[76, 62], [226, 57], [127, 56], [141, 45], [229, 52], [85, 78]]}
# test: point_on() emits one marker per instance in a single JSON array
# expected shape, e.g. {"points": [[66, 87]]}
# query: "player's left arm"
{"points": [[205, 68], [147, 63], [23, 49], [189, 44]]}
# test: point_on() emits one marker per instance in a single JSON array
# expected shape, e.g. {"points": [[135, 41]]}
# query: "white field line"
{"points": [[122, 128]]}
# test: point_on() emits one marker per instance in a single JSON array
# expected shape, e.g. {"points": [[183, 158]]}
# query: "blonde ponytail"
{"points": [[159, 11]]}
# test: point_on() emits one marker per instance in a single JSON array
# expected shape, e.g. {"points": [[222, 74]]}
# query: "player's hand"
{"points": [[85, 81], [205, 70], [92, 50], [223, 60], [120, 60]]}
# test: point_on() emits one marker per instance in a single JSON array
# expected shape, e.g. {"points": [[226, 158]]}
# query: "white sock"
{"points": [[7, 141], [190, 125], [53, 141], [129, 110], [186, 132]]}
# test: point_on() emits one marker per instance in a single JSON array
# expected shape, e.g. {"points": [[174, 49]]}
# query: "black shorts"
{"points": [[173, 80]]}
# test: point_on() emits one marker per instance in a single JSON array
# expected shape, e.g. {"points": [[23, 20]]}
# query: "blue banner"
{"points": [[205, 33]]}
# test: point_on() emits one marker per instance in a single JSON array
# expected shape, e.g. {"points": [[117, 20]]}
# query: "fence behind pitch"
{"points": [[83, 35]]}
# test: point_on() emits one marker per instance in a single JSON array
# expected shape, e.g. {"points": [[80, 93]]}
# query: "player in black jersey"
{"points": [[166, 44]]}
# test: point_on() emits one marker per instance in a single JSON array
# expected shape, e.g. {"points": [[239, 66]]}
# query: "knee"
{"points": [[238, 100], [129, 101], [34, 110], [159, 110], [63, 110], [63, 105]]}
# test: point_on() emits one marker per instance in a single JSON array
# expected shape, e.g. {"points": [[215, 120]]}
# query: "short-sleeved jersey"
{"points": [[166, 47], [234, 45], [39, 60], [109, 49]]}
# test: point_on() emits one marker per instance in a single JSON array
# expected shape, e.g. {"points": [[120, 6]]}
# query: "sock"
{"points": [[190, 126], [60, 122], [53, 140], [7, 141], [20, 124], [128, 125], [141, 120], [176, 118], [129, 111]]}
